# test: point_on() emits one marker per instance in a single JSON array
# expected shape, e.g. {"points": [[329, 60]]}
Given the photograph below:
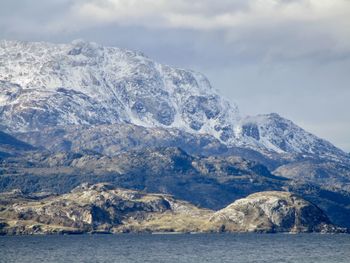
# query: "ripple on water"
{"points": [[247, 248]]}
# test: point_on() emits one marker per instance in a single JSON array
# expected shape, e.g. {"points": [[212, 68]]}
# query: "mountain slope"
{"points": [[211, 182], [272, 133], [9, 145], [45, 85], [83, 83]]}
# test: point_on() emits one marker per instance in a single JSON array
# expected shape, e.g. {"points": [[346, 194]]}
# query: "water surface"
{"points": [[243, 248]]}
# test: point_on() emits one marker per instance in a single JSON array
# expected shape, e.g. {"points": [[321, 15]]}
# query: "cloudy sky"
{"points": [[286, 56]]}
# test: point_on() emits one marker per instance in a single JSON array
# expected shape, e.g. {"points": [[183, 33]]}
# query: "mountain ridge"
{"points": [[83, 83]]}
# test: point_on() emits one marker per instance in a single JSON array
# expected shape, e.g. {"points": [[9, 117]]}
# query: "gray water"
{"points": [[245, 248]]}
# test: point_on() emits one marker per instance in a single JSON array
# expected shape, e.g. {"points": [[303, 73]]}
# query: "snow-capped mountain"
{"points": [[271, 132], [44, 85], [82, 83]]}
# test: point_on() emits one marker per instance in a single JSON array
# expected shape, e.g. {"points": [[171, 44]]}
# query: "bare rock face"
{"points": [[272, 212], [103, 208], [97, 208]]}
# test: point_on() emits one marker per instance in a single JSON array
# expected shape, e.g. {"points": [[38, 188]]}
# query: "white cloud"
{"points": [[283, 28], [272, 29], [206, 14]]}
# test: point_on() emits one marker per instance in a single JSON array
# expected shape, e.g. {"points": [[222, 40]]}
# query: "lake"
{"points": [[125, 248]]}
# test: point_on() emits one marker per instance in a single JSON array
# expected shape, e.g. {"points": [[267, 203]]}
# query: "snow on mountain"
{"points": [[44, 84], [271, 132], [83, 83]]}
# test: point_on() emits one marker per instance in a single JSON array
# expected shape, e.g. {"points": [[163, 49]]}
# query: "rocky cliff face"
{"points": [[103, 208]]}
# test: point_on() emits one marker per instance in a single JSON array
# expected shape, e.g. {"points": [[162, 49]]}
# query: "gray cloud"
{"points": [[291, 56]]}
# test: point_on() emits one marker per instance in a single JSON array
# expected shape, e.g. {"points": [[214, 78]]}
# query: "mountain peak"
{"points": [[83, 83]]}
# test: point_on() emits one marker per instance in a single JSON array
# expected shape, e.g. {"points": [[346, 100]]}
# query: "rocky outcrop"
{"points": [[95, 209], [101, 208], [273, 212]]}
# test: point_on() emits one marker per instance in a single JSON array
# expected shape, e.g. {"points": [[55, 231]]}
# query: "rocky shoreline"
{"points": [[104, 209]]}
